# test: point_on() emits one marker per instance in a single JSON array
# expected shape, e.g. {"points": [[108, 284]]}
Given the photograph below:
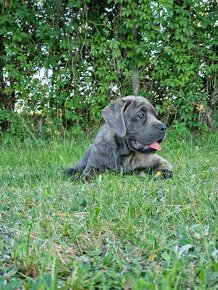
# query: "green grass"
{"points": [[115, 232]]}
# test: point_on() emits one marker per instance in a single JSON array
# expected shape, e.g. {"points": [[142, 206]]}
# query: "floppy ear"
{"points": [[113, 115]]}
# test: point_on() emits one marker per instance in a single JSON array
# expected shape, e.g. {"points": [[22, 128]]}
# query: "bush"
{"points": [[66, 60]]}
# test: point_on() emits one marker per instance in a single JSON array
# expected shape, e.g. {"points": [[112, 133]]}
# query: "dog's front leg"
{"points": [[150, 162]]}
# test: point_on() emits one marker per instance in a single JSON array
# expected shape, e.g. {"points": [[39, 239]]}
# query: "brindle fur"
{"points": [[111, 149]]}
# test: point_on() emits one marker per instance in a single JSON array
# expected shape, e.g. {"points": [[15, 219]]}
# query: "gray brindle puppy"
{"points": [[127, 141]]}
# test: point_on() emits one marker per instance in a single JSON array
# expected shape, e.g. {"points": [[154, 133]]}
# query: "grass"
{"points": [[115, 232]]}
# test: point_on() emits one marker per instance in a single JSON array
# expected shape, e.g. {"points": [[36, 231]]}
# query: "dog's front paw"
{"points": [[163, 173], [164, 170]]}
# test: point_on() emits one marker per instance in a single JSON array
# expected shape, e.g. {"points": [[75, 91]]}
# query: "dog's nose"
{"points": [[161, 127]]}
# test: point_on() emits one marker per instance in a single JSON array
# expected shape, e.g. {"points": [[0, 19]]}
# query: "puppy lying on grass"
{"points": [[127, 141]]}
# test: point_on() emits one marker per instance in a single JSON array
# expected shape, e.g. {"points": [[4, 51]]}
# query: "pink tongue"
{"points": [[155, 146]]}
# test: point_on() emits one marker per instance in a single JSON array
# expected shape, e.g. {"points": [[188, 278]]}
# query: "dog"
{"points": [[127, 141]]}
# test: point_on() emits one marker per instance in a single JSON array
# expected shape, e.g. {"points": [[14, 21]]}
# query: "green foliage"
{"points": [[68, 59]]}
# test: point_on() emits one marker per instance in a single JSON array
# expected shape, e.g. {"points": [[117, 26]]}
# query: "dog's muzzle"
{"points": [[135, 145]]}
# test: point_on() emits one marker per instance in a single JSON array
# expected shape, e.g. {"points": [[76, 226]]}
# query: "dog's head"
{"points": [[135, 120]]}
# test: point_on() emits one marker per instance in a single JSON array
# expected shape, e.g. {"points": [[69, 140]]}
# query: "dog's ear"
{"points": [[113, 115]]}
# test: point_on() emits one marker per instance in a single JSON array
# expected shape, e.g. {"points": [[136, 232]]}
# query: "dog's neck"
{"points": [[123, 148]]}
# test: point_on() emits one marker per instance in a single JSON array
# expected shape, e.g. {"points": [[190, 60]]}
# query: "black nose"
{"points": [[161, 127]]}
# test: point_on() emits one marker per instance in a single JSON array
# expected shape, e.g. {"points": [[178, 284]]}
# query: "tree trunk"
{"points": [[135, 80], [134, 68], [7, 102]]}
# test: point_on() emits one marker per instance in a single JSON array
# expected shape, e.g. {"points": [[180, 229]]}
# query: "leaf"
{"points": [[183, 250]]}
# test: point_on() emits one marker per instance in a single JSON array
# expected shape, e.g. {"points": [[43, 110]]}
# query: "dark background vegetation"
{"points": [[61, 62]]}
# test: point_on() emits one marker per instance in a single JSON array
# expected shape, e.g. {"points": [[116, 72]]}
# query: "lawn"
{"points": [[114, 232]]}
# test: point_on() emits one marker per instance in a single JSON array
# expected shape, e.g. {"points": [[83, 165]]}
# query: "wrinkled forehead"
{"points": [[138, 102], [135, 98]]}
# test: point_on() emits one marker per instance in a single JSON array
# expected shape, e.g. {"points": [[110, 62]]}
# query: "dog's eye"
{"points": [[140, 116]]}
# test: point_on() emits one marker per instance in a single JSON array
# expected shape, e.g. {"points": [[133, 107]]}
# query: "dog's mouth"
{"points": [[137, 146]]}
